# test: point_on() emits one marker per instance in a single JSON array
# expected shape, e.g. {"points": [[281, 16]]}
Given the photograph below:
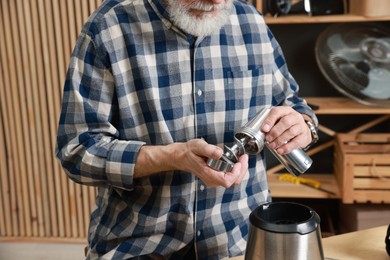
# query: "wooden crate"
{"points": [[362, 167]]}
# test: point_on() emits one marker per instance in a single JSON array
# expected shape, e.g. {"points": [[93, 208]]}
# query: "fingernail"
{"points": [[266, 128]]}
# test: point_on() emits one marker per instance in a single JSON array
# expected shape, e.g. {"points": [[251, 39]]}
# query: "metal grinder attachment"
{"points": [[249, 139]]}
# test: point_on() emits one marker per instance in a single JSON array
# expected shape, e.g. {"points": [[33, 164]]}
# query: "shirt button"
{"points": [[200, 92], [201, 187], [198, 233]]}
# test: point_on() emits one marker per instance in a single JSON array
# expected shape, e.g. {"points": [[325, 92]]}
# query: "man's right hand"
{"points": [[191, 157]]}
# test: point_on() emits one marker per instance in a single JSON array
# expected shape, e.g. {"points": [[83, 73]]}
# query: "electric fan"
{"points": [[355, 59]]}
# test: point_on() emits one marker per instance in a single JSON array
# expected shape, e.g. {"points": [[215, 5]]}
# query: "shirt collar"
{"points": [[160, 9]]}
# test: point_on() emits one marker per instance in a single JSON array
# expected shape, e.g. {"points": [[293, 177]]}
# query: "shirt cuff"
{"points": [[121, 163]]}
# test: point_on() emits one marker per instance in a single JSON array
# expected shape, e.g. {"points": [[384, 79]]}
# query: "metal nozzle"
{"points": [[229, 158]]}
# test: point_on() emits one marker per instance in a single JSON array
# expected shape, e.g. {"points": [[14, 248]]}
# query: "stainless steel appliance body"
{"points": [[284, 231]]}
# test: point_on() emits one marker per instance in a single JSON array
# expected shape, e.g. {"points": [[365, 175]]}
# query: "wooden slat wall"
{"points": [[37, 200]]}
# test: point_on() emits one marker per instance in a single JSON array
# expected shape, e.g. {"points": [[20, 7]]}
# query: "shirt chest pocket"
{"points": [[247, 91]]}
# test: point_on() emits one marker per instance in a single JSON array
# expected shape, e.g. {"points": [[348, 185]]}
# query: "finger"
{"points": [[287, 136], [233, 177], [294, 143], [203, 149], [212, 178], [284, 124], [286, 148], [273, 117], [244, 168]]}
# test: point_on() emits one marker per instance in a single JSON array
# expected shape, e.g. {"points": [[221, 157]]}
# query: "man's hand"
{"points": [[286, 130], [190, 156], [193, 159]]}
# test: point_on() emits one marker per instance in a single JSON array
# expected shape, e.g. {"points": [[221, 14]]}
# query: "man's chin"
{"points": [[196, 21], [204, 25], [199, 15]]}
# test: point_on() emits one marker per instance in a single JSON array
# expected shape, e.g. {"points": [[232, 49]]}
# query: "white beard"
{"points": [[201, 26]]}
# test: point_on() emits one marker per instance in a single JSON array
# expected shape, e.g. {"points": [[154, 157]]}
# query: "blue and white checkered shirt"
{"points": [[135, 79]]}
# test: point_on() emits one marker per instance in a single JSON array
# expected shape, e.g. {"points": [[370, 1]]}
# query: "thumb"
{"points": [[203, 149]]}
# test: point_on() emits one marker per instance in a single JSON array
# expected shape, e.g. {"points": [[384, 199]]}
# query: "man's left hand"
{"points": [[285, 129]]}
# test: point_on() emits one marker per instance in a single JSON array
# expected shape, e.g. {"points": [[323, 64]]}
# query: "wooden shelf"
{"points": [[345, 106], [282, 189], [301, 19]]}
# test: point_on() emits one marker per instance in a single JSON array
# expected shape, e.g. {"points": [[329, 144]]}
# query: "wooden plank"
{"points": [[362, 138], [4, 197], [86, 210], [78, 14], [98, 3], [338, 167], [345, 106], [92, 4], [71, 23], [342, 18], [10, 77], [52, 222], [72, 208], [371, 183], [367, 144], [84, 12], [326, 130], [374, 159], [7, 165], [372, 170], [67, 48], [71, 225], [58, 226], [31, 25], [79, 213], [347, 189], [366, 149], [43, 147], [59, 79], [373, 196], [19, 113], [29, 71], [282, 189], [381, 138]]}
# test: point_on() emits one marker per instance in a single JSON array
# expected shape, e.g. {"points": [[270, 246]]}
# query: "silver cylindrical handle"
{"points": [[296, 162]]}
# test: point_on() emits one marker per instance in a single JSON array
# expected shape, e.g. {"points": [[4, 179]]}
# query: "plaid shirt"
{"points": [[135, 79]]}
